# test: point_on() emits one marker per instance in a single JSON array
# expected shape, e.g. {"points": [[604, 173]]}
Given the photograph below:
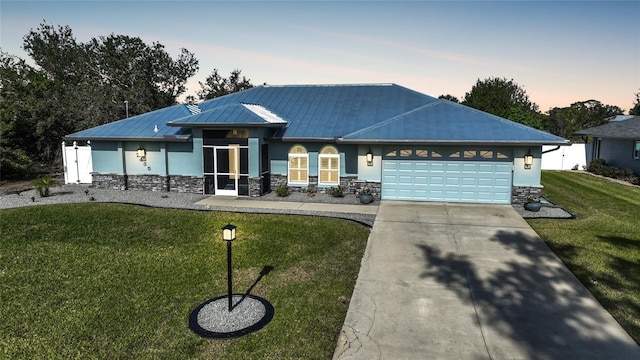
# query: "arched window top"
{"points": [[297, 149], [329, 150]]}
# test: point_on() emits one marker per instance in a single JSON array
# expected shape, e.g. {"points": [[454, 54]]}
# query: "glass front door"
{"points": [[226, 162]]}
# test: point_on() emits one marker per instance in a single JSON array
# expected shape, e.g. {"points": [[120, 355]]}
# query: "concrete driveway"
{"points": [[457, 281]]}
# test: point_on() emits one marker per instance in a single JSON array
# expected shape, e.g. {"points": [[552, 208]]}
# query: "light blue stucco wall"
{"points": [[154, 162], [115, 157], [184, 159], [106, 157], [366, 172], [522, 176], [254, 157]]}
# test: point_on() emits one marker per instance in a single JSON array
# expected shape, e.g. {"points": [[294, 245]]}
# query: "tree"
{"points": [[503, 98], [580, 115], [79, 85], [30, 107], [449, 97], [635, 110], [216, 86]]}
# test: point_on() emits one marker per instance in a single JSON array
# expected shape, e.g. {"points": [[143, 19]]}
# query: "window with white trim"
{"points": [[329, 166], [298, 166], [636, 149]]}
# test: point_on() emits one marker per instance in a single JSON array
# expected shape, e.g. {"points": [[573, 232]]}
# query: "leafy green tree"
{"points": [[79, 85], [449, 97], [215, 85], [635, 110], [504, 98], [30, 104], [145, 76], [580, 115]]}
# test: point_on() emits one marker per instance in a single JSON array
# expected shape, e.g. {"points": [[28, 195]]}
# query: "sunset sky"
{"points": [[560, 52]]}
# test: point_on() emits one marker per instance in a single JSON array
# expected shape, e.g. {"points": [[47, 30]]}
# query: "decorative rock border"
{"points": [[212, 319]]}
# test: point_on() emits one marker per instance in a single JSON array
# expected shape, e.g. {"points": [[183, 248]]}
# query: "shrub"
{"points": [[600, 167], [336, 191], [282, 191], [15, 163]]}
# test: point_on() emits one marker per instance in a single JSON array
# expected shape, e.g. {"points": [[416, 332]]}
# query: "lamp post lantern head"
{"points": [[229, 232]]}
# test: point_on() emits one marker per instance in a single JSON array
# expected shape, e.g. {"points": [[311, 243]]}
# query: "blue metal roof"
{"points": [[234, 114], [151, 126], [342, 113], [326, 111], [447, 122]]}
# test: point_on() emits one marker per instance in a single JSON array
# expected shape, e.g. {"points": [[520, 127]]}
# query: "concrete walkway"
{"points": [[234, 202], [452, 281]]}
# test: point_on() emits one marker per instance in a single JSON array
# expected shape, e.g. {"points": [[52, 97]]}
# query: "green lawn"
{"points": [[118, 281], [602, 245]]}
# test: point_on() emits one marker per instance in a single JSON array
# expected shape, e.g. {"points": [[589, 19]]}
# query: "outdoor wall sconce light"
{"points": [[228, 235], [369, 158], [141, 153], [528, 160]]}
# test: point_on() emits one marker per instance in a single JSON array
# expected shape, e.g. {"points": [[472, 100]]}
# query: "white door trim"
{"points": [[235, 175]]}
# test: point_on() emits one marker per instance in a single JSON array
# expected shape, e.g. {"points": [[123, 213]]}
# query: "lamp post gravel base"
{"points": [[212, 319]]}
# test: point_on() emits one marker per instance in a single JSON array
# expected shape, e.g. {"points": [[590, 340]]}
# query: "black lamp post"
{"points": [[228, 235]]}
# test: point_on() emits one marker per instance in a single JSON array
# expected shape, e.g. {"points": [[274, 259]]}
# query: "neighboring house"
{"points": [[400, 143], [616, 142]]}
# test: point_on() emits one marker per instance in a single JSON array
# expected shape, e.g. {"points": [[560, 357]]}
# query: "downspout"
{"points": [[551, 150]]}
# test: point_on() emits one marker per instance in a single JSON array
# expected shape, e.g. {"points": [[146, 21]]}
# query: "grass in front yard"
{"points": [[602, 245], [119, 281]]}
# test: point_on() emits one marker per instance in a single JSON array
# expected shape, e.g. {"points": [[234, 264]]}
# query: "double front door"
{"points": [[226, 170]]}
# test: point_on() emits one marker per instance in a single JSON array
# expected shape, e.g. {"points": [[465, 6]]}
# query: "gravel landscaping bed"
{"points": [[547, 211], [72, 193], [83, 193]]}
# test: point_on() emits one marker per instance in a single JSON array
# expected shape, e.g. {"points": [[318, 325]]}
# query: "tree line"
{"points": [[75, 86], [509, 100]]}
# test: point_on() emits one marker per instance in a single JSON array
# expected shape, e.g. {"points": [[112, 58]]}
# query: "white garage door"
{"points": [[455, 181]]}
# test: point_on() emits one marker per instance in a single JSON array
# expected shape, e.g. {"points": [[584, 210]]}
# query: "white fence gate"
{"points": [[565, 158], [77, 163]]}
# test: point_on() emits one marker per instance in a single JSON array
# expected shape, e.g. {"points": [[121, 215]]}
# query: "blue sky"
{"points": [[560, 52]]}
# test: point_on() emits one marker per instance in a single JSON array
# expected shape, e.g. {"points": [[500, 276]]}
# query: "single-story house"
{"points": [[616, 142], [401, 144]]}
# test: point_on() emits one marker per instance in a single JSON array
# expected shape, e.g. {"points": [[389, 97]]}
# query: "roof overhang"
{"points": [[168, 138], [455, 142], [606, 136]]}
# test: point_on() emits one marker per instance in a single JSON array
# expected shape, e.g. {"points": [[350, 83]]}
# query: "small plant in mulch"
{"points": [[311, 192], [336, 191], [533, 198], [282, 191], [43, 184]]}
